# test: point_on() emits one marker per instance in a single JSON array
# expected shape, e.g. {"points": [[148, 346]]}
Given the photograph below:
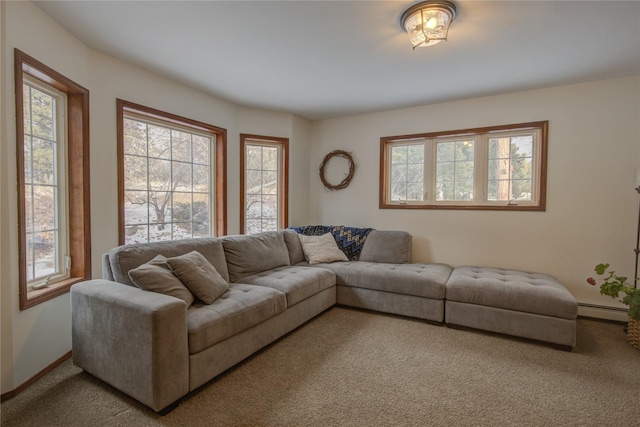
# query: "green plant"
{"points": [[613, 285]]}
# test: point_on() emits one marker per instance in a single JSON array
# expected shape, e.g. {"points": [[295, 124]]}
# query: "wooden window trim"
{"points": [[220, 167], [543, 126], [246, 138], [78, 179]]}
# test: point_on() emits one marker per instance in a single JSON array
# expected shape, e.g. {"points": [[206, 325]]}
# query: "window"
{"points": [[264, 183], [502, 167], [45, 170], [171, 176], [53, 181]]}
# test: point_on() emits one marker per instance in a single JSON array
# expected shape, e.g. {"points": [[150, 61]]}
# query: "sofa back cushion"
{"points": [[107, 274], [292, 241], [251, 254], [387, 246], [127, 257]]}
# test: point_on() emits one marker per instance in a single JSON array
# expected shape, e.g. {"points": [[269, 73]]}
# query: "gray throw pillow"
{"points": [[319, 249], [393, 247], [156, 276], [199, 276]]}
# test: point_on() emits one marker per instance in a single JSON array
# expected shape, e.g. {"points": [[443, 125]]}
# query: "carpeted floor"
{"points": [[356, 368]]}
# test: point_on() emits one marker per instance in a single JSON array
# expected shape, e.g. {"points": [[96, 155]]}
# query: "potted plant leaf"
{"points": [[614, 285]]}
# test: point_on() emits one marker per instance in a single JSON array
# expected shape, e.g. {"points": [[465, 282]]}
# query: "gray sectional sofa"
{"points": [[158, 347]]}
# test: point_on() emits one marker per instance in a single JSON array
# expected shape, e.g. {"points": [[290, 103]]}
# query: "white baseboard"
{"points": [[602, 312]]}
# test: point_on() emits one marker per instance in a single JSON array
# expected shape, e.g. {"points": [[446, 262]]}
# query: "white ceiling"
{"points": [[323, 59]]}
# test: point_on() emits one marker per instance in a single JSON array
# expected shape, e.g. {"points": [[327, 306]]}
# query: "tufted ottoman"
{"points": [[529, 305]]}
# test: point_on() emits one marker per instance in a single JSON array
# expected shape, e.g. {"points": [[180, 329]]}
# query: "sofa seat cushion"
{"points": [[422, 280], [240, 308], [297, 282], [513, 290]]}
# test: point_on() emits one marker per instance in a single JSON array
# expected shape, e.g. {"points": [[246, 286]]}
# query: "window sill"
{"points": [[38, 296], [512, 207]]}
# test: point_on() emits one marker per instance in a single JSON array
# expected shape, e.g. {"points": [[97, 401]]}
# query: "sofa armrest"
{"points": [[387, 246], [134, 340]]}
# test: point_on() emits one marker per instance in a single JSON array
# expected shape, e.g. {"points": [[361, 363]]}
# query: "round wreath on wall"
{"points": [[347, 179]]}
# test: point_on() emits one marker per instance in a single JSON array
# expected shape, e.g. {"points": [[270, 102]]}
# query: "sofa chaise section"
{"points": [[413, 290], [529, 305]]}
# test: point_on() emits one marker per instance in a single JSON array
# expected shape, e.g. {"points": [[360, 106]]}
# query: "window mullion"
{"points": [[61, 174], [536, 159], [429, 171], [481, 174]]}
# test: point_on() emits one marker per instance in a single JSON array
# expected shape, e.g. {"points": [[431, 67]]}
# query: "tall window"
{"points": [[45, 171], [502, 167], [264, 183], [170, 178], [53, 179]]}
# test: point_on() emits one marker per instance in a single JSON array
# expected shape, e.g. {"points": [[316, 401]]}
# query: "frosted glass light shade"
{"points": [[427, 22]]}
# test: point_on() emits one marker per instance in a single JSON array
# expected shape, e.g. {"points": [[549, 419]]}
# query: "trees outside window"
{"points": [[169, 175], [502, 167], [264, 176], [45, 171], [52, 145]]}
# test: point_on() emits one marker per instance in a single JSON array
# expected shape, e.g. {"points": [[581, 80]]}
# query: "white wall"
{"points": [[592, 208], [34, 338], [299, 177]]}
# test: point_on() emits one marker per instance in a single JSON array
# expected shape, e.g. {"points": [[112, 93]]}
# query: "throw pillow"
{"points": [[156, 276], [393, 247], [199, 276], [318, 249]]}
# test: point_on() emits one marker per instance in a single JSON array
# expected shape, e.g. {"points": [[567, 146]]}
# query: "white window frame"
{"points": [[536, 167], [212, 161], [282, 145], [481, 139], [61, 216], [217, 167], [432, 199], [409, 143]]}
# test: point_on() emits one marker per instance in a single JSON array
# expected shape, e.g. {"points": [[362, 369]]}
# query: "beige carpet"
{"points": [[356, 368]]}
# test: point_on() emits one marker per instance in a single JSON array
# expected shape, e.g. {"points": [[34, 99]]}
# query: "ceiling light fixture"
{"points": [[428, 22]]}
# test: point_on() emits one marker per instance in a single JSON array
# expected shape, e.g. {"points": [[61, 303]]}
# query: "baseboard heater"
{"points": [[602, 312]]}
